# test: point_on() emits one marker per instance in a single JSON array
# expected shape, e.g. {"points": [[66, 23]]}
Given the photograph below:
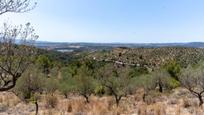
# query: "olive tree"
{"points": [[116, 79], [160, 79], [193, 80], [147, 82], [16, 6], [15, 59], [67, 83], [85, 83], [30, 85]]}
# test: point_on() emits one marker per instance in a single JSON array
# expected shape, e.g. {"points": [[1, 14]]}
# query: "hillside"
{"points": [[150, 57], [61, 83]]}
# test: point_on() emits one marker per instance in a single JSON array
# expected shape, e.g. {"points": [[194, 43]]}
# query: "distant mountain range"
{"points": [[70, 47]]}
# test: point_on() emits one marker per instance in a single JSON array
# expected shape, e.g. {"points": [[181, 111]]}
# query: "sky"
{"points": [[118, 21]]}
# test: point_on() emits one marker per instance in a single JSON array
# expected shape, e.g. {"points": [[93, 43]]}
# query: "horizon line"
{"points": [[185, 42]]}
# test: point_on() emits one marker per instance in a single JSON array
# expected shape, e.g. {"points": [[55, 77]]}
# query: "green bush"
{"points": [[174, 69], [99, 90], [44, 63], [173, 83], [137, 71]]}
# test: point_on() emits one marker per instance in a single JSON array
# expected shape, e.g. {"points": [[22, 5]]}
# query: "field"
{"points": [[176, 103]]}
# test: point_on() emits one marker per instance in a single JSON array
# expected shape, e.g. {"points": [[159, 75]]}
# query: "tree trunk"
{"points": [[144, 97], [200, 100], [36, 108], [117, 99], [87, 98], [117, 102], [160, 88], [66, 96]]}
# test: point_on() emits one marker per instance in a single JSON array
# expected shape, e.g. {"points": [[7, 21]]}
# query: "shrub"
{"points": [[44, 63], [99, 90], [173, 83], [174, 69]]}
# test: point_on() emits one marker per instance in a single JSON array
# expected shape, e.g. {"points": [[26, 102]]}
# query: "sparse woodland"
{"points": [[143, 81], [89, 86]]}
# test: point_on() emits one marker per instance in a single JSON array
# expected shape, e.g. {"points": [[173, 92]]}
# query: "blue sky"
{"points": [[125, 21]]}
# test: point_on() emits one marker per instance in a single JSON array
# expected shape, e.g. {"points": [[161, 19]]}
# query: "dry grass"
{"points": [[51, 101], [99, 106], [75, 105], [8, 99]]}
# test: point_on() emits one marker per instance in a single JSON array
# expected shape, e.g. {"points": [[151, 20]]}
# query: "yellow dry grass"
{"points": [[132, 105]]}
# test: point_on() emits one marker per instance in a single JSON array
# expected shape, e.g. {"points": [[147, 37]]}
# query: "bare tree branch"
{"points": [[16, 6], [15, 59]]}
